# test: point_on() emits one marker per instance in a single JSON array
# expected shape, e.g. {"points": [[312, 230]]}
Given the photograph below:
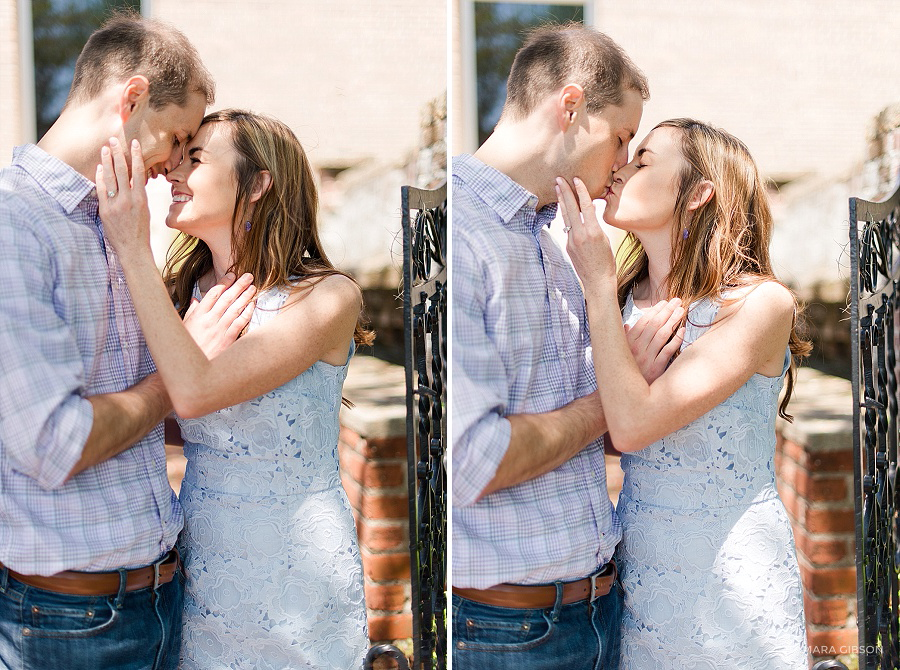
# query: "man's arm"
{"points": [[121, 419], [540, 443]]}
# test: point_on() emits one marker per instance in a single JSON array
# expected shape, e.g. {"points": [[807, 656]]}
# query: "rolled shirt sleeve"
{"points": [[479, 392], [44, 418]]}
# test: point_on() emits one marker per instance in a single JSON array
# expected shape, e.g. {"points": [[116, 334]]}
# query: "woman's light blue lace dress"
{"points": [[274, 578], [707, 559]]}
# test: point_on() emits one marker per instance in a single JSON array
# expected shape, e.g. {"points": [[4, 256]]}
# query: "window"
{"points": [[492, 32], [59, 29]]}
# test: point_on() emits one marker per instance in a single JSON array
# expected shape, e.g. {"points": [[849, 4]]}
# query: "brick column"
{"points": [[372, 451], [814, 463]]}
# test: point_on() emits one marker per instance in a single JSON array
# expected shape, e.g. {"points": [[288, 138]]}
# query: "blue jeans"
{"points": [[45, 630], [580, 636]]}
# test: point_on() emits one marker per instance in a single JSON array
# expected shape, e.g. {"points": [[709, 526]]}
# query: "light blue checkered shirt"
{"points": [[520, 345], [68, 330]]}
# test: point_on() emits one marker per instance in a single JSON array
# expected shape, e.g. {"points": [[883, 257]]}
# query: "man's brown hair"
{"points": [[129, 44], [570, 53]]}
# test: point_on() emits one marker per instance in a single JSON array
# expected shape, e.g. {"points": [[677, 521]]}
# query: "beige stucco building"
{"points": [[352, 78], [799, 82]]}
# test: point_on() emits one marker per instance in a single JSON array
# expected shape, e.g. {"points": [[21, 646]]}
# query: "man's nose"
{"points": [[621, 158]]}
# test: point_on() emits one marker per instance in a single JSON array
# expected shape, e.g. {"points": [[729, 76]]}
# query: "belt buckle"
{"points": [[601, 572]]}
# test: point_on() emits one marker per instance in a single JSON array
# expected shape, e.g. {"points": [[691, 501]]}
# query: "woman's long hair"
{"points": [[722, 245], [282, 242]]}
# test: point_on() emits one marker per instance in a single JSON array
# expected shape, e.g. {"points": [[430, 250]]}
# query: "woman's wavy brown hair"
{"points": [[282, 243], [723, 245]]}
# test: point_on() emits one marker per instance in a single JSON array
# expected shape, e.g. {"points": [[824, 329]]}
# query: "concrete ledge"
{"points": [[822, 411], [378, 391]]}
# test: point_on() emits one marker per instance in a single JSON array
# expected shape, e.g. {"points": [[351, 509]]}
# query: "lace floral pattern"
{"points": [[707, 560], [274, 578]]}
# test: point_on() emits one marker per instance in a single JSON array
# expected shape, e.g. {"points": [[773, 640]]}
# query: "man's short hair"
{"points": [[571, 53], [129, 44]]}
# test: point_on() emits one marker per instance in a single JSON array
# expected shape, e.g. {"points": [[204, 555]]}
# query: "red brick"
{"points": [[383, 537], [353, 491], [385, 567], [832, 642], [384, 474], [820, 550], [830, 461], [826, 611], [830, 520], [391, 597], [389, 506], [795, 452], [353, 464], [787, 472], [829, 581], [820, 487], [385, 447], [794, 506], [390, 626], [348, 436]]}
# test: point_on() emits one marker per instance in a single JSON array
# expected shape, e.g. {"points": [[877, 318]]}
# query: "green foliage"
{"points": [[60, 30], [500, 28]]}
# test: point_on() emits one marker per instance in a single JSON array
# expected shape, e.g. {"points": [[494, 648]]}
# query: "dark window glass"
{"points": [[61, 27], [499, 30]]}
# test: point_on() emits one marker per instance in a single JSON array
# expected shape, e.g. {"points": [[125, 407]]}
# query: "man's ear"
{"points": [[569, 103], [702, 195], [135, 95], [263, 182]]}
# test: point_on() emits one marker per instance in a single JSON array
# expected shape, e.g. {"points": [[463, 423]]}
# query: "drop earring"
{"points": [[247, 226], [684, 235]]}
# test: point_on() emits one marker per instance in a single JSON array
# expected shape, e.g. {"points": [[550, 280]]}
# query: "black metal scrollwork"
{"points": [[425, 308], [874, 309]]}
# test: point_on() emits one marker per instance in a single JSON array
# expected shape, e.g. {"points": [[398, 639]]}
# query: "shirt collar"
{"points": [[514, 204], [59, 179]]}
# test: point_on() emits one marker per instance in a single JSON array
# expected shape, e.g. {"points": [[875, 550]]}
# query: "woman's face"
{"points": [[204, 187], [643, 194]]}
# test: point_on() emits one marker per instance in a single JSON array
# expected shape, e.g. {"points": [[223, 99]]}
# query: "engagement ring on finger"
{"points": [[566, 229], [111, 194]]}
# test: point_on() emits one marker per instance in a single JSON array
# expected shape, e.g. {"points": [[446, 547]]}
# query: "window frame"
{"points": [[469, 78], [27, 102]]}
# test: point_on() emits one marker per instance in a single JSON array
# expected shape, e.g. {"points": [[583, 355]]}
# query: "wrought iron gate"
{"points": [[425, 333], [875, 327], [425, 293]]}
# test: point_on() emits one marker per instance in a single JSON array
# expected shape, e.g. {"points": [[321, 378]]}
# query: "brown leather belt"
{"points": [[104, 583], [522, 596]]}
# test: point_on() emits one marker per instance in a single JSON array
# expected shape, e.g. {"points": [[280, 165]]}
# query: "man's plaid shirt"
{"points": [[68, 330], [520, 345]]}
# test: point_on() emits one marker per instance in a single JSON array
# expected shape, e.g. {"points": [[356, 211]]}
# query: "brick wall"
{"points": [[372, 451], [814, 462]]}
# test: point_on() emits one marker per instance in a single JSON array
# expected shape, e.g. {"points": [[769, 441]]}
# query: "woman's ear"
{"points": [[263, 182], [702, 195]]}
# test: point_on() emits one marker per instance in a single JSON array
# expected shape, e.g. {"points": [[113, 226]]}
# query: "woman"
{"points": [[707, 560], [269, 544]]}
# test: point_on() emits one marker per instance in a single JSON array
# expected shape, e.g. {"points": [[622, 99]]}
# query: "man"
{"points": [[87, 525], [533, 527]]}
